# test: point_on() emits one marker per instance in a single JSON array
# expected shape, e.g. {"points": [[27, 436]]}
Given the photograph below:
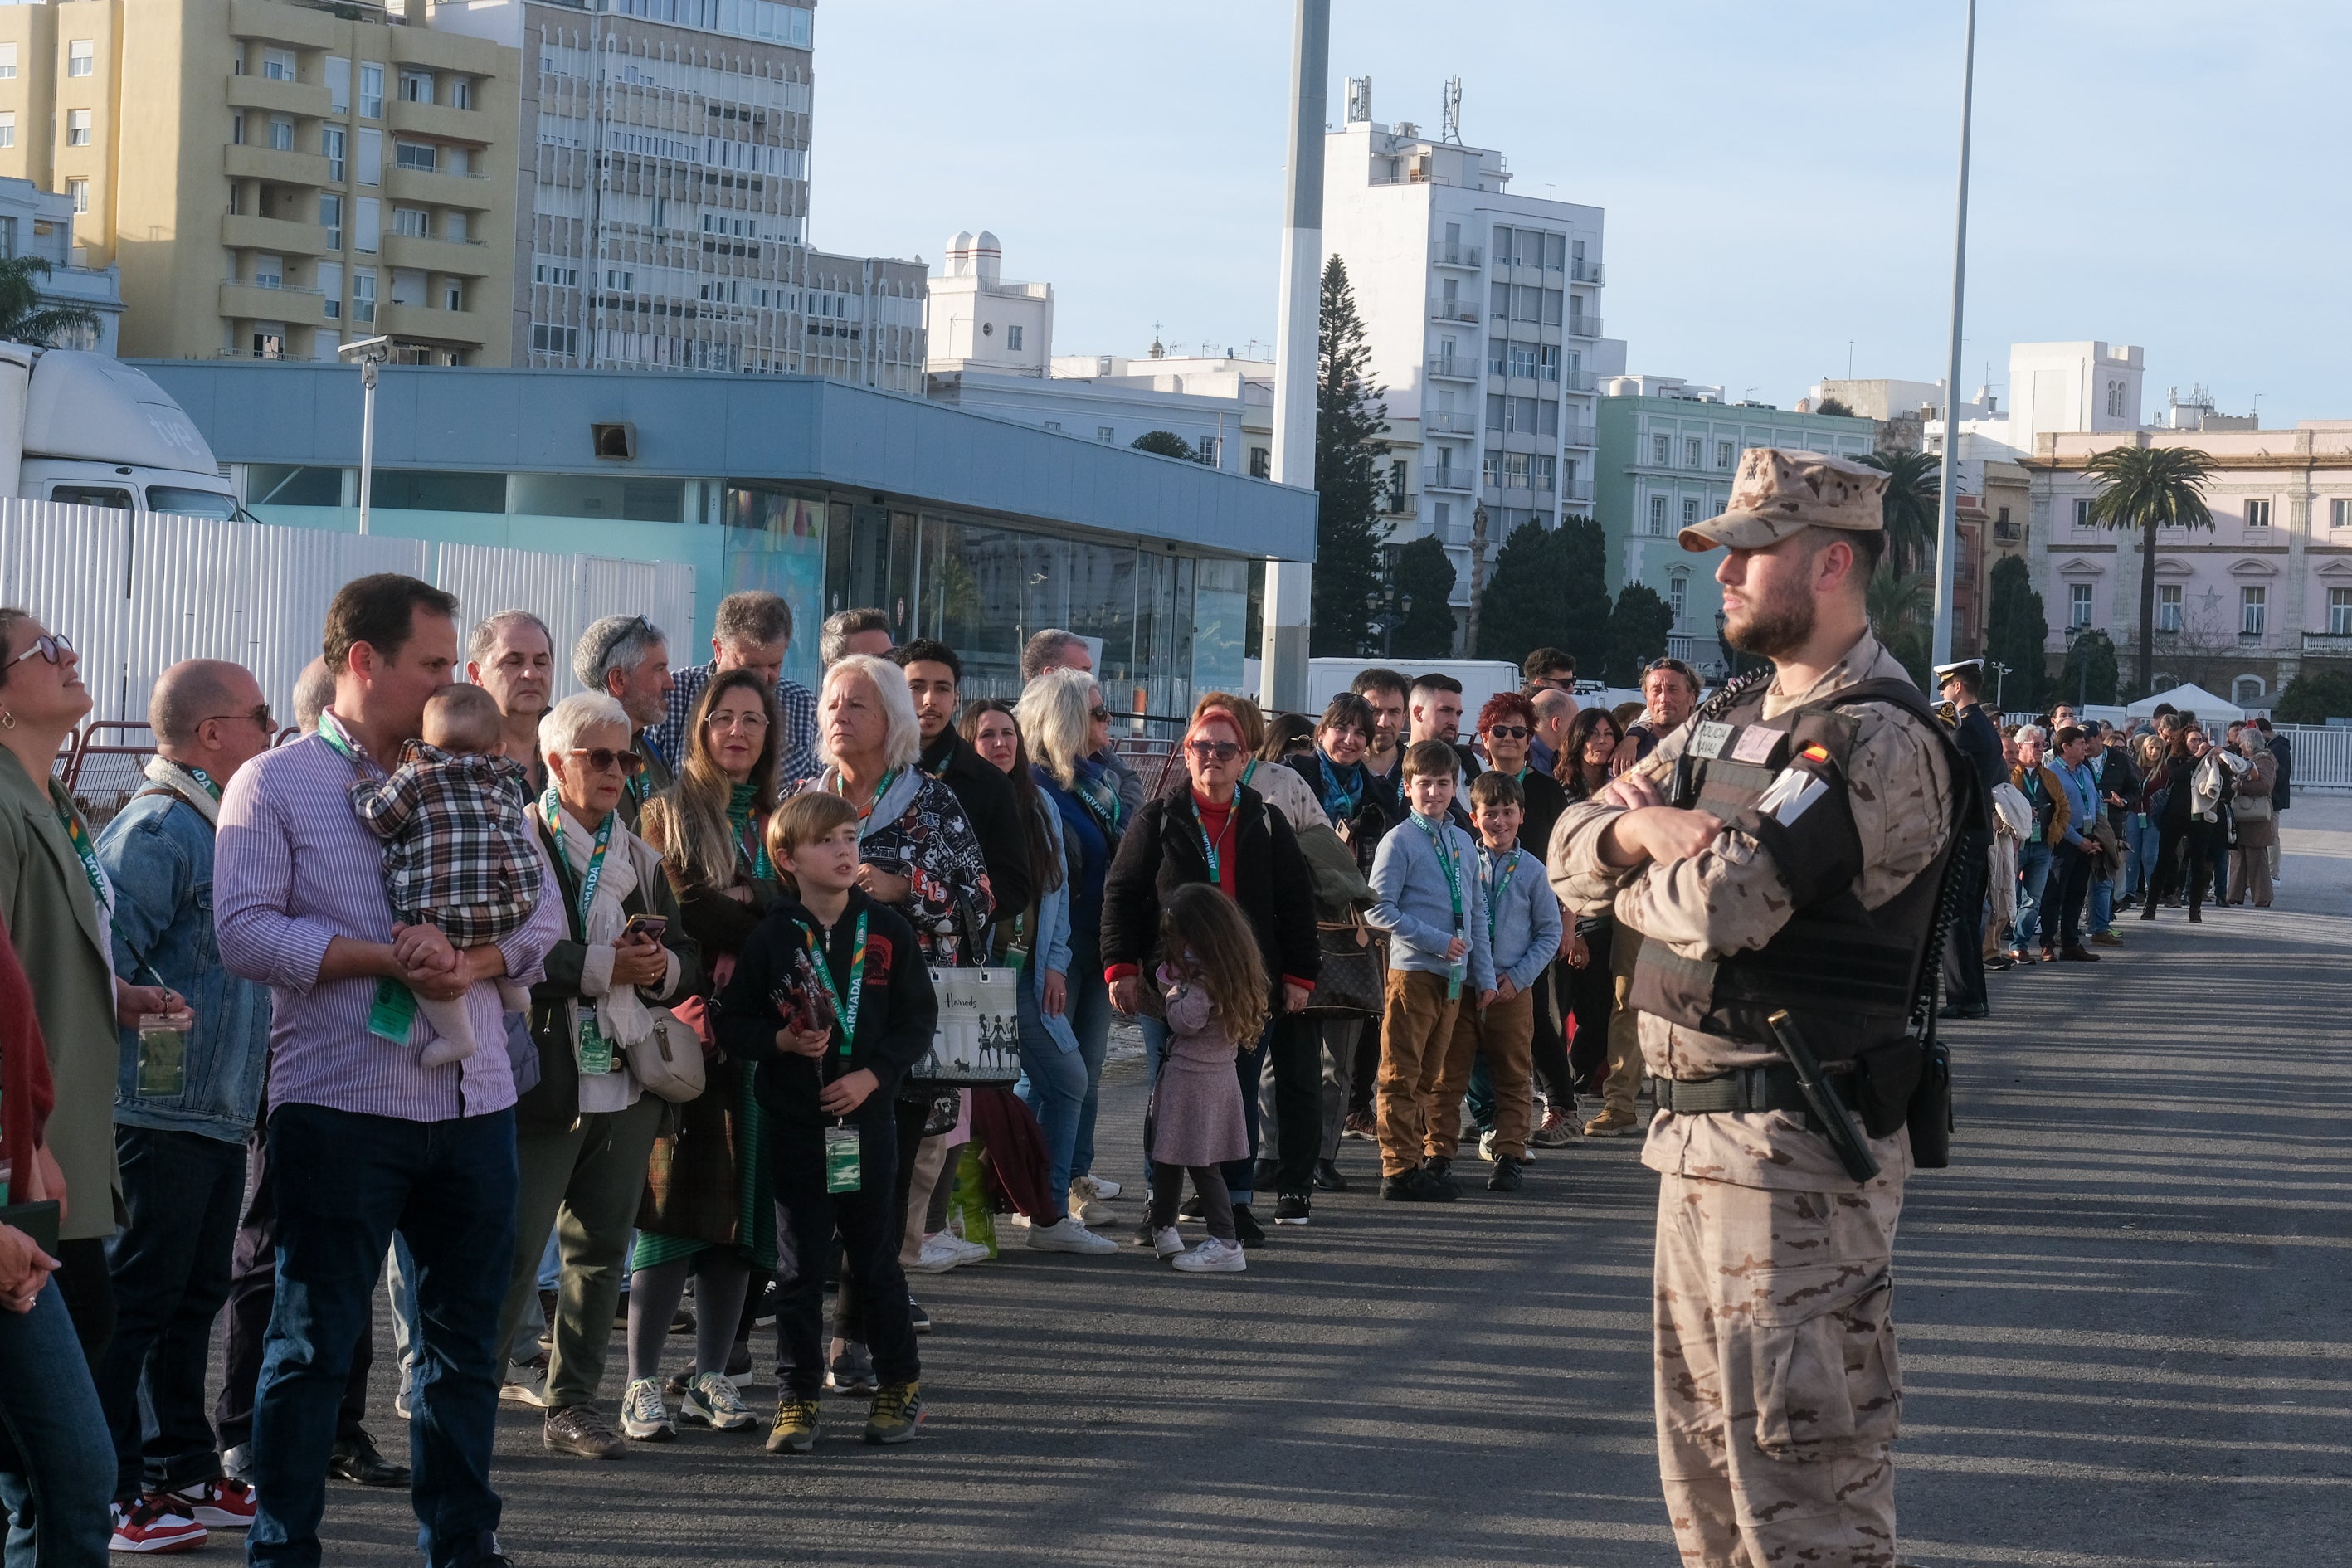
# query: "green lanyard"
{"points": [[880, 791], [331, 731], [1208, 845], [1451, 863], [551, 807], [203, 778], [1494, 899], [753, 854], [824, 967], [71, 820]]}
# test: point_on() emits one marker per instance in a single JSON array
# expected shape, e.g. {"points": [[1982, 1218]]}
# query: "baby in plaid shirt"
{"points": [[458, 852]]}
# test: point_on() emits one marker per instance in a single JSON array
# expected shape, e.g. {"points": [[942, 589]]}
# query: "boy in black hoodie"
{"points": [[829, 997]]}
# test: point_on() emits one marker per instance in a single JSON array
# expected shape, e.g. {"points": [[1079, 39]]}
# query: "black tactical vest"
{"points": [[1848, 975]]}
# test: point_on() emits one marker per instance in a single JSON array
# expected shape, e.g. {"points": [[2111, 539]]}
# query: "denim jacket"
{"points": [[158, 851], [1049, 947]]}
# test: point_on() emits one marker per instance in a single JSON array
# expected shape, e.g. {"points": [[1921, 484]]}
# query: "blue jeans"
{"points": [[171, 1271], [57, 1469], [1090, 1021], [1056, 1086], [2032, 878], [2103, 900], [2140, 839], [346, 1183]]}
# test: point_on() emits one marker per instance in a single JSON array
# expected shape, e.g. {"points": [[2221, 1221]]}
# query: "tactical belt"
{"points": [[1773, 1087]]}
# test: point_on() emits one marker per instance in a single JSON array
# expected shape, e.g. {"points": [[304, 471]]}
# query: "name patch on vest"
{"points": [[1755, 744], [1707, 739]]}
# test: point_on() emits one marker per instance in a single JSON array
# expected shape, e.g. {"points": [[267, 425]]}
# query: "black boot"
{"points": [[1328, 1176]]}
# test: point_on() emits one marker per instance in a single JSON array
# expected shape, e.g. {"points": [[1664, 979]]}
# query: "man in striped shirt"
{"points": [[364, 1139], [754, 629]]}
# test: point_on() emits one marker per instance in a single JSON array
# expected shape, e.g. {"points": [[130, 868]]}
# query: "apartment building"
{"points": [[663, 161], [273, 178], [1482, 310], [36, 222]]}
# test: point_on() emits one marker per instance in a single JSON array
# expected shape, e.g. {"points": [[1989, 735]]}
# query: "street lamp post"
{"points": [[368, 354], [1948, 504]]}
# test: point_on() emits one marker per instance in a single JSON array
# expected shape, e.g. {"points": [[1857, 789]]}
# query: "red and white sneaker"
{"points": [[221, 1503], [154, 1524]]}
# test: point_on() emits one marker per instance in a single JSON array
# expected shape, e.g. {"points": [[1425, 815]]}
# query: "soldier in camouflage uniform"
{"points": [[1777, 1392]]}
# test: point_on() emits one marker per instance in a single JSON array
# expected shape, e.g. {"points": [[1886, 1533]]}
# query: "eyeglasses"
{"points": [[1212, 751], [51, 645], [1509, 731], [258, 715], [738, 721], [1099, 713], [604, 759]]}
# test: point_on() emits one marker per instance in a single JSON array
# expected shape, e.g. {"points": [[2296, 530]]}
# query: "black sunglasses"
{"points": [[602, 759], [258, 715], [51, 645], [1099, 712], [1213, 751], [1509, 731]]}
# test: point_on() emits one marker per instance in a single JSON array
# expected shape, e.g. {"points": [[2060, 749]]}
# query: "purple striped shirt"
{"points": [[294, 868]]}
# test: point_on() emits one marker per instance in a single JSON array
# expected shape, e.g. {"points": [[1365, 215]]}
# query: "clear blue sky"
{"points": [[1777, 177]]}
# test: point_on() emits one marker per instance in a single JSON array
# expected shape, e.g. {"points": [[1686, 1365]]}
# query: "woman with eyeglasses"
{"points": [[710, 1206], [583, 1135], [1277, 784], [1585, 767], [1219, 831], [1067, 727]]}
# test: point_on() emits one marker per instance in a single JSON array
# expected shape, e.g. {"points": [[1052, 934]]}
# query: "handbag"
{"points": [[669, 1061], [1354, 978], [977, 1042]]}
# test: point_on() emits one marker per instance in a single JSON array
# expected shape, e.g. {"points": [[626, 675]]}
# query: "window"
{"points": [[81, 57], [1261, 463], [2339, 512], [77, 127], [2114, 400], [548, 339], [1677, 586], [2339, 612], [339, 84], [1552, 301], [461, 92], [2078, 604], [416, 86], [1662, 450], [330, 218], [281, 133], [269, 345], [1013, 338], [8, 62], [453, 296], [1105, 433], [79, 191], [453, 227], [1690, 511], [331, 143], [2252, 609], [2082, 511], [1548, 362], [1496, 405], [1555, 252], [269, 272], [1658, 516], [237, 130], [1497, 353], [1694, 450], [363, 296], [8, 138], [2258, 514], [416, 156], [1499, 301], [1522, 360], [370, 160], [1723, 456], [620, 280], [2167, 606], [1540, 471], [556, 274], [371, 91], [367, 237], [327, 279], [415, 222], [1547, 417], [277, 64]]}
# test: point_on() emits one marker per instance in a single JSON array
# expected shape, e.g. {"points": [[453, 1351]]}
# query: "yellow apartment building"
{"points": [[274, 178]]}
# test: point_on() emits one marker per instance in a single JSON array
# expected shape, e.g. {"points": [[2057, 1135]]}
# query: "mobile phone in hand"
{"points": [[652, 928]]}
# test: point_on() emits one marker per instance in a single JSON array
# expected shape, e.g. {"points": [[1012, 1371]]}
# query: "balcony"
{"points": [[306, 100], [1449, 422], [1463, 309], [1393, 505], [1581, 381], [1448, 369], [1443, 477], [1575, 434], [1577, 490], [1583, 326], [1582, 271], [440, 188], [470, 327], [248, 301], [251, 163], [440, 120], [1455, 255], [458, 259], [2327, 645], [273, 234]]}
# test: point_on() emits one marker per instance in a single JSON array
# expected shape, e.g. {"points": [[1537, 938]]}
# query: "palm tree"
{"points": [[24, 317], [2148, 487], [1914, 487], [1899, 604]]}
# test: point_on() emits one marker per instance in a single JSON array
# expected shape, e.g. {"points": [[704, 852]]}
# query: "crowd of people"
{"points": [[2088, 821], [539, 1013]]}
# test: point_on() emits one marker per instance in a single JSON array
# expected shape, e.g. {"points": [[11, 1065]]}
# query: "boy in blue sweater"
{"points": [[1522, 935], [1428, 898]]}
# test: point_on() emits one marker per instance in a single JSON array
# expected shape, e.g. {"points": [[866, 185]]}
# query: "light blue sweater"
{"points": [[1415, 907], [1525, 918]]}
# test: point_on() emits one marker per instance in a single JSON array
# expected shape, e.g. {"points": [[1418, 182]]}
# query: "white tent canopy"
{"points": [[2189, 698]]}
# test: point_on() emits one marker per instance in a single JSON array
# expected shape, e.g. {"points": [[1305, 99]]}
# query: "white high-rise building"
{"points": [[1482, 310]]}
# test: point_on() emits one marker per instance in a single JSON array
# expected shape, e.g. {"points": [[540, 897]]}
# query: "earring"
{"points": [[8, 719]]}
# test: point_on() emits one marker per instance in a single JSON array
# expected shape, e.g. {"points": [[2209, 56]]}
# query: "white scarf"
{"points": [[623, 1019], [183, 783]]}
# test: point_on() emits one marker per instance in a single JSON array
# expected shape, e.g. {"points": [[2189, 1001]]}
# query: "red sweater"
{"points": [[25, 1093]]}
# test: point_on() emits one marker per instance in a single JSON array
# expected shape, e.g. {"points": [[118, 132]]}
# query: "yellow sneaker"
{"points": [[795, 1428], [897, 1412]]}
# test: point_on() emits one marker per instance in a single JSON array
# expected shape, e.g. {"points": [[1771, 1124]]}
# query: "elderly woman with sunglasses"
{"points": [[582, 1136], [1217, 830]]}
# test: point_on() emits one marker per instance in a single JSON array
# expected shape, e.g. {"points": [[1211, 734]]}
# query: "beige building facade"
{"points": [[274, 179]]}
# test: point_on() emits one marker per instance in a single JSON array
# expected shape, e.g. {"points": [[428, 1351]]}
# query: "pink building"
{"points": [[2239, 609]]}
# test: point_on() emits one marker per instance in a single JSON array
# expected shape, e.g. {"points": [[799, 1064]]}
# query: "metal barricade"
{"points": [[108, 766]]}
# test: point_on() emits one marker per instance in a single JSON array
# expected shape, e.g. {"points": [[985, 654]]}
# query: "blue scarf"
{"points": [[1343, 788]]}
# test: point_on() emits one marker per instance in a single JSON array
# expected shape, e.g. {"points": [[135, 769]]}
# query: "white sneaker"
{"points": [[940, 1254], [1169, 1242], [525, 1384], [711, 1400], [1212, 1257], [643, 1417], [1067, 1234], [1487, 1146], [966, 1251], [1105, 1188]]}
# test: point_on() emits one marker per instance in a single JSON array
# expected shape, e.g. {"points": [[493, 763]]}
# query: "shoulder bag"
{"points": [[669, 1061], [1354, 977]]}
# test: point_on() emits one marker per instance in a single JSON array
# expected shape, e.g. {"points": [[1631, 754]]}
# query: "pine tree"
{"points": [[2090, 674], [1521, 609], [1637, 632], [1348, 417], [1425, 576], [2015, 632], [1581, 616]]}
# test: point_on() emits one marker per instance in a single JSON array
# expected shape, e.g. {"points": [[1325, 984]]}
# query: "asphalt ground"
{"points": [[2123, 1318]]}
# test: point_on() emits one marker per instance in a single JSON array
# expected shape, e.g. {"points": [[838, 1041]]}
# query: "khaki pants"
{"points": [[583, 1181], [2250, 862], [1778, 1391], [1416, 1025], [1505, 1034], [1624, 1080]]}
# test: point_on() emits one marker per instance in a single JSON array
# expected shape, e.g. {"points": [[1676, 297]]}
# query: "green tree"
{"points": [[1638, 625], [1168, 444], [2148, 487], [1521, 608], [1580, 617], [2314, 698], [24, 317], [1914, 488], [1349, 418], [1899, 605], [1424, 629], [2090, 673], [1833, 406], [2015, 633]]}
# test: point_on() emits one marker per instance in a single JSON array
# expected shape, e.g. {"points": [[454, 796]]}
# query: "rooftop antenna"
{"points": [[1449, 117], [1359, 100]]}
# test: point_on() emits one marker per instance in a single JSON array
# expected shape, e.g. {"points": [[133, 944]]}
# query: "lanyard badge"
{"points": [[842, 1171], [1451, 864]]}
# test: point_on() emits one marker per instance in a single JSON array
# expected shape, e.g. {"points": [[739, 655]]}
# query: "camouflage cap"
{"points": [[1779, 493]]}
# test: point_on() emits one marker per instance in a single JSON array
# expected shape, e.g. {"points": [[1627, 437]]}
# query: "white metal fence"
{"points": [[2323, 755], [137, 595]]}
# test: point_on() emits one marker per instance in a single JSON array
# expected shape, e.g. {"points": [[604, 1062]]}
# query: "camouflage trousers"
{"points": [[1777, 1392]]}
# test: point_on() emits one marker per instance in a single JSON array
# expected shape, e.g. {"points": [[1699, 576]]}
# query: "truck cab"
{"points": [[82, 429]]}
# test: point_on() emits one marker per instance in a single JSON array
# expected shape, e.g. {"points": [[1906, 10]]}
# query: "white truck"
{"points": [[88, 430]]}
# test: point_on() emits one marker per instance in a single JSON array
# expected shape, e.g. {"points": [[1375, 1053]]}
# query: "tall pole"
{"points": [[1289, 584], [1947, 523], [367, 438]]}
